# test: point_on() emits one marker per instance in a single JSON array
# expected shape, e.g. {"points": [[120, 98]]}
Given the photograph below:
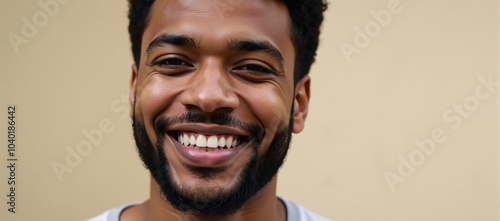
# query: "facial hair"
{"points": [[257, 172]]}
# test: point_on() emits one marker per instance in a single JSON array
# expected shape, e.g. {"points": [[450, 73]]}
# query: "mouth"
{"points": [[209, 149], [208, 143]]}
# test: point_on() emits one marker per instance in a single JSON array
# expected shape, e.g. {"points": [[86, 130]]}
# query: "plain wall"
{"points": [[373, 99]]}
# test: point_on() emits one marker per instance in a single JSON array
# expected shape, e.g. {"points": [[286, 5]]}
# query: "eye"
{"points": [[255, 68], [171, 62]]}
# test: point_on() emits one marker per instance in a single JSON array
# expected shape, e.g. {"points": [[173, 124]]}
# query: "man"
{"points": [[217, 89]]}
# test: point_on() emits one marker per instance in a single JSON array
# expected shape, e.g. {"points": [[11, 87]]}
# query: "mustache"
{"points": [[223, 119]]}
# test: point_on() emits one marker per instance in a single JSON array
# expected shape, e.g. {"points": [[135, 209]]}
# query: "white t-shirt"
{"points": [[295, 212]]}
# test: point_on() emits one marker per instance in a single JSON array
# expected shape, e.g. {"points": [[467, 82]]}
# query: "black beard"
{"points": [[256, 174]]}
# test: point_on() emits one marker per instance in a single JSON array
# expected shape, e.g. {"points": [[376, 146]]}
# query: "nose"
{"points": [[210, 90]]}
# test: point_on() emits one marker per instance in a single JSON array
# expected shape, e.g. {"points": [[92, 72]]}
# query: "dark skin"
{"points": [[210, 74]]}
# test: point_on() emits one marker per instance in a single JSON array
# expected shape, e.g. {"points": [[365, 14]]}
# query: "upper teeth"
{"points": [[212, 141]]}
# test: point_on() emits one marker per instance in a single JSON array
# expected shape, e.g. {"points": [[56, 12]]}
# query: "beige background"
{"points": [[365, 114]]}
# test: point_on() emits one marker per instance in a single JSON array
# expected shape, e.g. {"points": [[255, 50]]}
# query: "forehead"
{"points": [[215, 21]]}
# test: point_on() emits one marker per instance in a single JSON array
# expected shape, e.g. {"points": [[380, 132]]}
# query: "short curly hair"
{"points": [[306, 18]]}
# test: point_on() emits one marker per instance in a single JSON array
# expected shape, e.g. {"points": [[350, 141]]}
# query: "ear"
{"points": [[301, 105], [133, 82]]}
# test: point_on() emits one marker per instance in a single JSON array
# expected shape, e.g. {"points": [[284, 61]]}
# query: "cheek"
{"points": [[154, 96], [274, 112], [271, 107]]}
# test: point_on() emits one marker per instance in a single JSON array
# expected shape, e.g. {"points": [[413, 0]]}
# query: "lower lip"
{"points": [[202, 158]]}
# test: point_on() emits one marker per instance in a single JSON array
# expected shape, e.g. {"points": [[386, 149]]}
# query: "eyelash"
{"points": [[249, 67], [163, 62], [260, 68]]}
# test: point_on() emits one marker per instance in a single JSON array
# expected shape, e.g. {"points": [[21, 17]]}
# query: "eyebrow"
{"points": [[232, 45], [251, 46], [166, 39]]}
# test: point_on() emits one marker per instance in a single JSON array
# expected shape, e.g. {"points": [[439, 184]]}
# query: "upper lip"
{"points": [[208, 129]]}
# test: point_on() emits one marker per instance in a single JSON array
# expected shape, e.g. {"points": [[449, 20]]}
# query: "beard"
{"points": [[256, 174]]}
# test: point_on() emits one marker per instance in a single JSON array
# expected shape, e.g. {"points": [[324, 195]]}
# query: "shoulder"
{"points": [[296, 212], [112, 214]]}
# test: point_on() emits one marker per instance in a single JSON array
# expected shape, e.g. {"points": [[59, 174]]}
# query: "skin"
{"points": [[211, 78]]}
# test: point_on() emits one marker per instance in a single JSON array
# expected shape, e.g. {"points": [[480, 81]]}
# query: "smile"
{"points": [[203, 150], [208, 142]]}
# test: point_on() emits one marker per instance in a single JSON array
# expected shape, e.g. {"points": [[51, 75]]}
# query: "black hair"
{"points": [[306, 18]]}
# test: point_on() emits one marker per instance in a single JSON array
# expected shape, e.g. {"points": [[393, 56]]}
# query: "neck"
{"points": [[264, 205]]}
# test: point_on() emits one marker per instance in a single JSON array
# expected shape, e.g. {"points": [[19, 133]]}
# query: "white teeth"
{"points": [[185, 140], [201, 141], [222, 142], [192, 140], [229, 141], [180, 139], [212, 141]]}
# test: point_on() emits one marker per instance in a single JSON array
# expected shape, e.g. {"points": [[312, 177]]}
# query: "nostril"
{"points": [[208, 94], [211, 105], [192, 107]]}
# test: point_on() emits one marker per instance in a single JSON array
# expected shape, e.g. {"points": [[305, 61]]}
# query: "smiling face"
{"points": [[215, 101]]}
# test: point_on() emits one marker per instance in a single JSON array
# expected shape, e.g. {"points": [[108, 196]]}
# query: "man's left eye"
{"points": [[256, 68]]}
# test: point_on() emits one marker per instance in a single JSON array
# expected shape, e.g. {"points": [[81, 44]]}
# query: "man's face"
{"points": [[215, 101]]}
